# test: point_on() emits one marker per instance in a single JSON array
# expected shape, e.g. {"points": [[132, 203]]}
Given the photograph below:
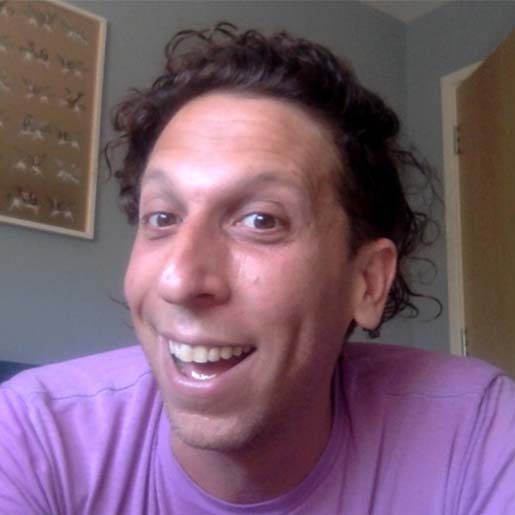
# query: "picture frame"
{"points": [[51, 75]]}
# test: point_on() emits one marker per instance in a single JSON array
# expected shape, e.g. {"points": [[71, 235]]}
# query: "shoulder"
{"points": [[87, 376], [397, 370], [411, 410], [75, 422], [70, 409], [89, 387]]}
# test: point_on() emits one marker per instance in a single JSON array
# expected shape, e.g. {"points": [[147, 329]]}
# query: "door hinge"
{"points": [[456, 139], [464, 342]]}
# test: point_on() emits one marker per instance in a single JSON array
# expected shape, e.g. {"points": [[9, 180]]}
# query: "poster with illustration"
{"points": [[51, 66]]}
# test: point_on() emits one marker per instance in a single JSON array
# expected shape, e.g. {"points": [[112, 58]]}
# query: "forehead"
{"points": [[261, 133]]}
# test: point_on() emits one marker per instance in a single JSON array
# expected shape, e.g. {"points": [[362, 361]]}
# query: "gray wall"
{"points": [[54, 297], [451, 37]]}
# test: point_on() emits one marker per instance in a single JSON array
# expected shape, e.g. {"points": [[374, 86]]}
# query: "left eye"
{"points": [[260, 221]]}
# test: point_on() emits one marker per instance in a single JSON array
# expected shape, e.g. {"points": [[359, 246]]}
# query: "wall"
{"points": [[55, 290], [455, 35]]}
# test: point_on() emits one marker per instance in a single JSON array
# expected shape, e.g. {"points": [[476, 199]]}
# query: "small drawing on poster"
{"points": [[40, 19], [29, 163], [69, 66], [72, 100]]}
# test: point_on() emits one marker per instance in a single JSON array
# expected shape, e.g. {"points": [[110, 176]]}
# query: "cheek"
{"points": [[305, 289], [129, 283], [249, 271], [137, 275], [277, 284]]}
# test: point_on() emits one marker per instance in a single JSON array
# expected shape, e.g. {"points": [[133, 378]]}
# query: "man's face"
{"points": [[240, 264]]}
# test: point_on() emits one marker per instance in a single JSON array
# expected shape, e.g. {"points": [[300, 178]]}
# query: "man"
{"points": [[271, 220]]}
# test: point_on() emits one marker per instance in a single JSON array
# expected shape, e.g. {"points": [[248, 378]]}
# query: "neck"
{"points": [[267, 467]]}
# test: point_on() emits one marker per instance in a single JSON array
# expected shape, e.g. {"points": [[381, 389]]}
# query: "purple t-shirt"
{"points": [[414, 433]]}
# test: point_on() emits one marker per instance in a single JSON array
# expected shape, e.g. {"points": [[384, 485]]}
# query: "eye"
{"points": [[260, 221], [160, 219]]}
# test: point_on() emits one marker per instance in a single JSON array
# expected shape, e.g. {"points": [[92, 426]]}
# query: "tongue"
{"points": [[205, 371]]}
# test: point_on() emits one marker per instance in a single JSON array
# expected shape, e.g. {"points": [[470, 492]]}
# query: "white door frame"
{"points": [[449, 85]]}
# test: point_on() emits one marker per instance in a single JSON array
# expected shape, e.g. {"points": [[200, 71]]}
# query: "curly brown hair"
{"points": [[365, 129]]}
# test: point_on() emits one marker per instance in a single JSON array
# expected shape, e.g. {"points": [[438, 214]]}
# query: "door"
{"points": [[486, 122]]}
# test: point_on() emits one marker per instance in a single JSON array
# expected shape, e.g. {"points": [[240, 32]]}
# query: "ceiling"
{"points": [[405, 10]]}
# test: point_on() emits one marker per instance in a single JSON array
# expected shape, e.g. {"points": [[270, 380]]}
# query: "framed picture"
{"points": [[51, 71]]}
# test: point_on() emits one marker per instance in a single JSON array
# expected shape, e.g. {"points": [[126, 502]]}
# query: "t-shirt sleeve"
{"points": [[22, 462], [488, 482]]}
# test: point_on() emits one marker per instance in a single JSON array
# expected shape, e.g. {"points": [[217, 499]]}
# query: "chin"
{"points": [[220, 434]]}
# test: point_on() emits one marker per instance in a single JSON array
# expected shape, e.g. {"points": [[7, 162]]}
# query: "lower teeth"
{"points": [[206, 371], [200, 376]]}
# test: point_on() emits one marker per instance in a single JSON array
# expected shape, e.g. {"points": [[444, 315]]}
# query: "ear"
{"points": [[377, 264]]}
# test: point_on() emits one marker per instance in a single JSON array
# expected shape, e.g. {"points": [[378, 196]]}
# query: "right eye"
{"points": [[160, 219]]}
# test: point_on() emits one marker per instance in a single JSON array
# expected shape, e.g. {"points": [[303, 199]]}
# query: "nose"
{"points": [[195, 269]]}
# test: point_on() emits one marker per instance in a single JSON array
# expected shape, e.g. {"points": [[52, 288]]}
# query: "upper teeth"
{"points": [[202, 354]]}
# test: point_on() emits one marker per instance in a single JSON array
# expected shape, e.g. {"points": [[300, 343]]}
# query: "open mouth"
{"points": [[202, 363]]}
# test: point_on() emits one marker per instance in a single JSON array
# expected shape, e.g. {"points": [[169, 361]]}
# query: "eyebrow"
{"points": [[154, 174]]}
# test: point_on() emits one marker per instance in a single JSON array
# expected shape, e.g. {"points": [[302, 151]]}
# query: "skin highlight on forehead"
{"points": [[220, 118]]}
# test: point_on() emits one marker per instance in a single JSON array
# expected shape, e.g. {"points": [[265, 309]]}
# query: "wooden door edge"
{"points": [[456, 309]]}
